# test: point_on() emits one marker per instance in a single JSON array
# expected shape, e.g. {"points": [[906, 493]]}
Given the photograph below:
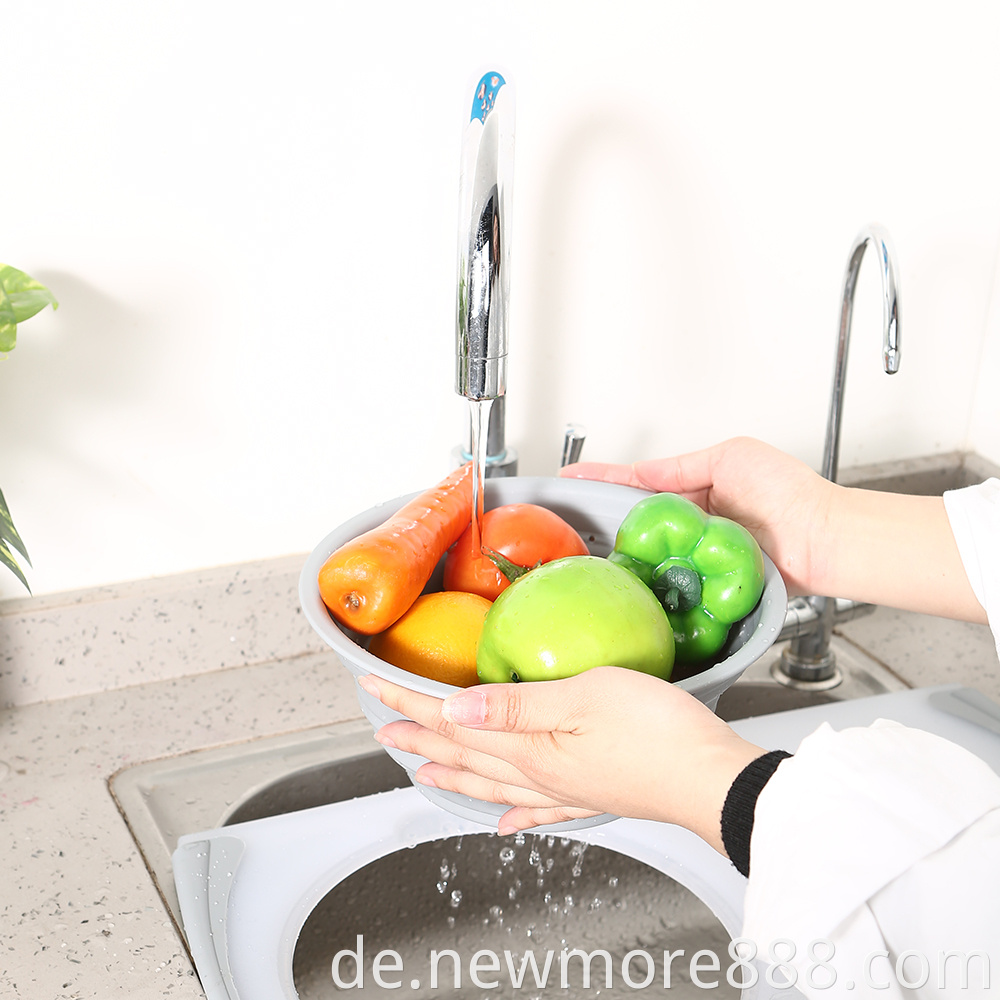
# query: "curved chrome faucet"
{"points": [[484, 260], [808, 661], [877, 237]]}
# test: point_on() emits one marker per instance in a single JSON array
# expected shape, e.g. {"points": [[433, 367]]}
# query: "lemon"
{"points": [[436, 638]]}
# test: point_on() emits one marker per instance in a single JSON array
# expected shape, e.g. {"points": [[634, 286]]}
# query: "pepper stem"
{"points": [[678, 588]]}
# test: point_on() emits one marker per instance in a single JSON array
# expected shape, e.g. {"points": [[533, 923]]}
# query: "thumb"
{"points": [[541, 706]]}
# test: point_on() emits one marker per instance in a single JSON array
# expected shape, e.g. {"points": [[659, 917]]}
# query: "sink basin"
{"points": [[533, 893], [472, 892], [161, 800], [929, 475], [279, 906]]}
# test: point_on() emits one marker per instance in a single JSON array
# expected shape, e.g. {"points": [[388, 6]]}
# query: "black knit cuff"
{"points": [[738, 809]]}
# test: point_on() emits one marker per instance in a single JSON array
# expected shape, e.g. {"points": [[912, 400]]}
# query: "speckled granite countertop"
{"points": [[79, 914]]}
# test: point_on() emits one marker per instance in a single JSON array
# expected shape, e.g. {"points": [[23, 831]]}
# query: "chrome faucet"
{"points": [[877, 237], [808, 661], [484, 263]]}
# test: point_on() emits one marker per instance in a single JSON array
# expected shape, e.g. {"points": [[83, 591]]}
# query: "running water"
{"points": [[479, 414]]}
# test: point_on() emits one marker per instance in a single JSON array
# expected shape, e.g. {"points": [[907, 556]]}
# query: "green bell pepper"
{"points": [[708, 572]]}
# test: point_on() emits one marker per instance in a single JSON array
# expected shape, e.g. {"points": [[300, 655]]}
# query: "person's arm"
{"points": [[896, 550], [886, 548]]}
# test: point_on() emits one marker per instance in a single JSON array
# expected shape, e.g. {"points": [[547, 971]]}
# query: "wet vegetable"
{"points": [[518, 536], [373, 579], [707, 571], [570, 615]]}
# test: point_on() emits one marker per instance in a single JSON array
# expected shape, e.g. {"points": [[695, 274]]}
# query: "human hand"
{"points": [[781, 501], [884, 548], [606, 740]]}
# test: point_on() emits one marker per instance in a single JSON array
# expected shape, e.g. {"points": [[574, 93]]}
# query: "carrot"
{"points": [[371, 580]]}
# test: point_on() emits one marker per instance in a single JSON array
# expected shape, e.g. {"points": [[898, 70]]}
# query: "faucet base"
{"points": [[820, 674]]}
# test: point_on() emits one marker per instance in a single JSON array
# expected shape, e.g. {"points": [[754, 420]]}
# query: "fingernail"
{"points": [[467, 708], [367, 683], [506, 829], [423, 779], [385, 741]]}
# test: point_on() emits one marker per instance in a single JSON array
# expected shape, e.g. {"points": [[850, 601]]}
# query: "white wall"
{"points": [[248, 213]]}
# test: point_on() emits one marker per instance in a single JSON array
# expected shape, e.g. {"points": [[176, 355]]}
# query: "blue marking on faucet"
{"points": [[485, 96]]}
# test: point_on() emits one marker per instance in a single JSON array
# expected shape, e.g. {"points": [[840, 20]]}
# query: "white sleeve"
{"points": [[874, 843], [974, 515]]}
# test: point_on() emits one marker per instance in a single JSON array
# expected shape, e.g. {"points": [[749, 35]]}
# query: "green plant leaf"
{"points": [[21, 297], [10, 538], [8, 323], [11, 563], [31, 301], [8, 533]]}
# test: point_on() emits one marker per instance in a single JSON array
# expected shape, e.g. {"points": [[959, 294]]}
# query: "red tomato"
{"points": [[524, 533]]}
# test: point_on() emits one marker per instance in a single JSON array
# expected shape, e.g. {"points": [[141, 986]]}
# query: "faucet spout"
{"points": [[484, 264], [876, 236], [807, 661], [483, 252]]}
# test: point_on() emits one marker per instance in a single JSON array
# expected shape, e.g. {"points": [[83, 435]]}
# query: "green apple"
{"points": [[572, 614]]}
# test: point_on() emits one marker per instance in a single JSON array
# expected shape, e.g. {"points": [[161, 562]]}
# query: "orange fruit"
{"points": [[436, 638]]}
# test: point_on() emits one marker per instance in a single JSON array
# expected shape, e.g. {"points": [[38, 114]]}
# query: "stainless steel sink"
{"points": [[929, 475], [161, 800], [530, 894], [534, 893]]}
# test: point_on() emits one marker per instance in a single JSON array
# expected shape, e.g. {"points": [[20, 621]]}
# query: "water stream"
{"points": [[479, 416]]}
